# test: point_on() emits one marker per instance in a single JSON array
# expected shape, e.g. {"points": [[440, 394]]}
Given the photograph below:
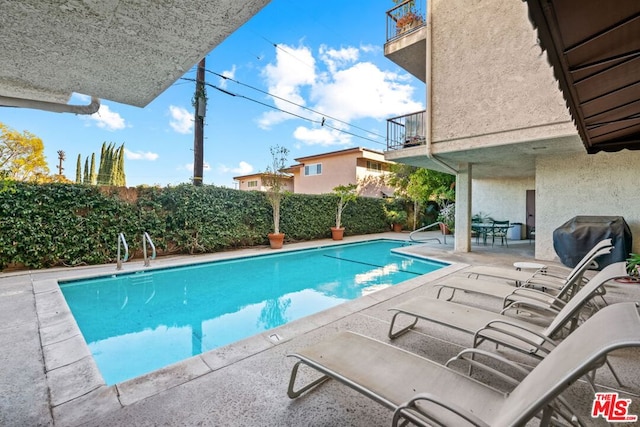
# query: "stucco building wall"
{"points": [[582, 184], [336, 170], [489, 77], [501, 199]]}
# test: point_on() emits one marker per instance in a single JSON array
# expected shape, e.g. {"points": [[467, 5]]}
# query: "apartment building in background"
{"points": [[321, 173]]}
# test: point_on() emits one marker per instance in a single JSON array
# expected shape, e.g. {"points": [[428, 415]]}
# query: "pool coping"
{"points": [[77, 389]]}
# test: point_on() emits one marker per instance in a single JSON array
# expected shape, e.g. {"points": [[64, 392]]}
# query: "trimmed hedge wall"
{"points": [[68, 224]]}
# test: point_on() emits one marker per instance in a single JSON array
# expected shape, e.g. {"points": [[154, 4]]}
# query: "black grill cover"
{"points": [[573, 239]]}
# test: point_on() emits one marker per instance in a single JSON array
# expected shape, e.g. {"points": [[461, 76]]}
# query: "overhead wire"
{"points": [[293, 103], [321, 122]]}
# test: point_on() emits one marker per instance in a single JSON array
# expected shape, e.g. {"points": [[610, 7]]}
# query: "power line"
{"points": [[320, 122], [293, 103]]}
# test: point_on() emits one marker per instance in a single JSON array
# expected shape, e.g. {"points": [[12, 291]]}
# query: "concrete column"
{"points": [[463, 209]]}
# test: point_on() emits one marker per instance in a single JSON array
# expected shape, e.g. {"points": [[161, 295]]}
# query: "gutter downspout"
{"points": [[54, 107], [429, 124]]}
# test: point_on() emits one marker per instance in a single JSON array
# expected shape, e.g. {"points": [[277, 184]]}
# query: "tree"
{"points": [[79, 169], [423, 185], [22, 156], [92, 172], [111, 169], [85, 177]]}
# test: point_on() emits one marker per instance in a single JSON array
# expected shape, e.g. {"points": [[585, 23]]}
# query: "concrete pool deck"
{"points": [[48, 376]]}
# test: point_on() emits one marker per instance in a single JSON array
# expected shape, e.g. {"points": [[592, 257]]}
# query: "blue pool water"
{"points": [[136, 323]]}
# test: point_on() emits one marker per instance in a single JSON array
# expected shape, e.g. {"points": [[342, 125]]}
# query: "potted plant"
{"points": [[275, 182], [346, 194], [396, 218], [408, 21], [447, 218], [633, 265]]}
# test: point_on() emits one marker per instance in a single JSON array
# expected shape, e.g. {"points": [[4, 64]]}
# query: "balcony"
{"points": [[406, 131], [406, 37]]}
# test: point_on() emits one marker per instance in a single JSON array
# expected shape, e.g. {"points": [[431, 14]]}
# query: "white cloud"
{"points": [[338, 58], [140, 155], [340, 85], [107, 119], [321, 136], [363, 90], [229, 74], [243, 168], [294, 69], [181, 119]]}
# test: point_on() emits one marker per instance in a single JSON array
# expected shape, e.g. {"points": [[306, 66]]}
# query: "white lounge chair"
{"points": [[553, 300], [508, 331], [540, 278], [424, 393]]}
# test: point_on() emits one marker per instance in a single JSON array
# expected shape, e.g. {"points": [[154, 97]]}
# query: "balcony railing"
{"points": [[406, 17], [406, 131]]}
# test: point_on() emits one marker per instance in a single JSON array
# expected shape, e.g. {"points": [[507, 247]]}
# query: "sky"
{"points": [[326, 56]]}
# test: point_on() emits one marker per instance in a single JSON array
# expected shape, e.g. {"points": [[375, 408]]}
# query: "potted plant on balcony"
{"points": [[276, 187], [408, 21], [346, 194], [406, 16]]}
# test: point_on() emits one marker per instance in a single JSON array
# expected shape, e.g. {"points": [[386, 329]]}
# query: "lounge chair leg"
{"points": [[453, 292], [295, 393], [393, 335], [613, 372]]}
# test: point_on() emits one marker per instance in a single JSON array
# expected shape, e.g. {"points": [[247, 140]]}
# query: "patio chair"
{"points": [[544, 277], [499, 230], [424, 392], [512, 297], [501, 329]]}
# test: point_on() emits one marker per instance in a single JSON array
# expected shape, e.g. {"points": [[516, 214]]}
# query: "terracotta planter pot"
{"points": [[337, 233], [397, 228], [444, 229], [276, 240]]}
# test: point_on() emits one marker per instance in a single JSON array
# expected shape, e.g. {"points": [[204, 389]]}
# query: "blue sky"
{"points": [[325, 55]]}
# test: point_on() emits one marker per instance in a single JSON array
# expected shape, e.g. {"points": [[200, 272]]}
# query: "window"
{"points": [[374, 166], [314, 169], [252, 184]]}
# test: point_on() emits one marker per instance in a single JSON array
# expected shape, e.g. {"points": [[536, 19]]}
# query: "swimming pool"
{"points": [[136, 323]]}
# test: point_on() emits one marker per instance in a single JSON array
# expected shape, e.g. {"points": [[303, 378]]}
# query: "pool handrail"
{"points": [[119, 261], [146, 238], [413, 239]]}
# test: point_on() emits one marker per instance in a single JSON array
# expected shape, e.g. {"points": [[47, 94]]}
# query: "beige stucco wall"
{"points": [[489, 76], [582, 184], [243, 184], [501, 199], [336, 170], [342, 169]]}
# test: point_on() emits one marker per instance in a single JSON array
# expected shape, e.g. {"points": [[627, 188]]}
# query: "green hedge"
{"points": [[68, 224]]}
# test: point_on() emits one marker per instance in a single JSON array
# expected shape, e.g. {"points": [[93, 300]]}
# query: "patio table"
{"points": [[483, 228]]}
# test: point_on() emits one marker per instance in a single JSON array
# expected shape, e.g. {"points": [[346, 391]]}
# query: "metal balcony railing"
{"points": [[406, 17], [406, 131]]}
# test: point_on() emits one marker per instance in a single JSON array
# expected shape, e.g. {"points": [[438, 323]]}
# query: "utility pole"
{"points": [[61, 157], [200, 99]]}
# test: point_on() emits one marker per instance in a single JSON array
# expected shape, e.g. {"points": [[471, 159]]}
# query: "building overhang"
{"points": [[594, 48], [123, 51]]}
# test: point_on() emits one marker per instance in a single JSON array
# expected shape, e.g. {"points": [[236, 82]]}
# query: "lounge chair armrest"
{"points": [[411, 412], [534, 295], [531, 305], [496, 326], [468, 356], [544, 282]]}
